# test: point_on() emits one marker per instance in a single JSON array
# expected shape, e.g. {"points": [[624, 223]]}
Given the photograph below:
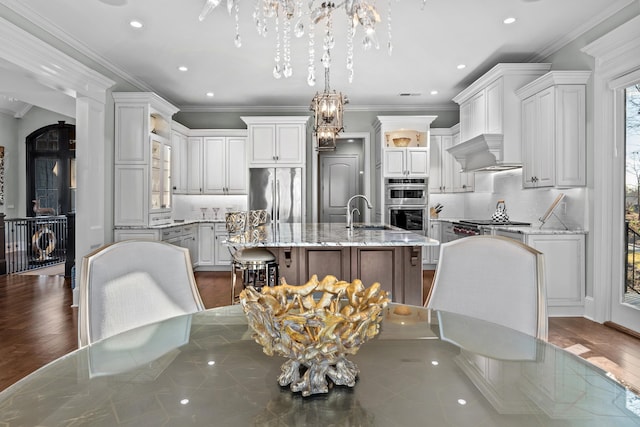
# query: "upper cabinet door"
{"points": [[277, 141], [132, 133], [194, 160], [215, 166], [262, 139], [418, 161], [493, 107], [236, 166], [289, 140], [179, 168], [394, 162], [435, 169]]}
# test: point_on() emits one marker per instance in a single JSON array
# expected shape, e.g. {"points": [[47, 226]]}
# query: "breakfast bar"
{"points": [[369, 252]]}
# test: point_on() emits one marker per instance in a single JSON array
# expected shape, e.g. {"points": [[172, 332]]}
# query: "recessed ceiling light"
{"points": [[210, 94], [434, 92], [509, 20], [183, 68], [461, 66], [135, 24]]}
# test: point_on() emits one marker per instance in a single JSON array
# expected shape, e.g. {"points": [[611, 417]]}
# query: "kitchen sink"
{"points": [[371, 227]]}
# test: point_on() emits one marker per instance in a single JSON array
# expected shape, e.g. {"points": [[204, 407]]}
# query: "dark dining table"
{"points": [[423, 369]]}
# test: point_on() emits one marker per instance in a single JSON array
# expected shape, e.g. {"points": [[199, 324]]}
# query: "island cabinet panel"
{"points": [[324, 261], [379, 264], [411, 281], [289, 263]]}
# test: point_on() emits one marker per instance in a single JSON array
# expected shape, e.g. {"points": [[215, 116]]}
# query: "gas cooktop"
{"points": [[490, 222]]}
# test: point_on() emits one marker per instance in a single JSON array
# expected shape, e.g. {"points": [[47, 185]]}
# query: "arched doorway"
{"points": [[51, 170]]}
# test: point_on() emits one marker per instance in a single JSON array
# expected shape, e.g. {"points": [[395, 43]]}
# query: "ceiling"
{"points": [[429, 40]]}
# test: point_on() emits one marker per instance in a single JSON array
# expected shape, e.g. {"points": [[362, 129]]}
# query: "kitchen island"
{"points": [[369, 252]]}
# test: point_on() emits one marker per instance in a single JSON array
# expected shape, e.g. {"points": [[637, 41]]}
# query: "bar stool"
{"points": [[258, 265]]}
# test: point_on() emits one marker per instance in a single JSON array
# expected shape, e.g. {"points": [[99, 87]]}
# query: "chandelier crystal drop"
{"points": [[296, 18]]}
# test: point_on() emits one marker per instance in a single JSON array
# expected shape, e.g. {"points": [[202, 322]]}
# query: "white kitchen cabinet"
{"points": [[431, 254], [206, 249], [189, 240], [142, 163], [194, 163], [222, 254], [180, 168], [276, 141], [394, 161], [564, 265], [440, 179], [462, 182], [136, 234], [224, 165], [217, 164], [554, 130], [490, 119], [406, 162], [482, 113], [446, 232], [445, 175], [212, 252]]}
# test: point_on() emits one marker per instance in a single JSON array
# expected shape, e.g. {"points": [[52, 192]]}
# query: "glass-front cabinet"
{"points": [[160, 175]]}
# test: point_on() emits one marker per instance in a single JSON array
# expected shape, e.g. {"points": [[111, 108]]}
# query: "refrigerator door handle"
{"points": [[273, 203], [277, 204]]}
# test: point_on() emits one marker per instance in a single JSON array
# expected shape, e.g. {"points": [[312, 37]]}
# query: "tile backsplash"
{"points": [[526, 205]]}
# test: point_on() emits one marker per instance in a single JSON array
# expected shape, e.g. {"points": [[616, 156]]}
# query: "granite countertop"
{"points": [[186, 222], [537, 230], [328, 234]]}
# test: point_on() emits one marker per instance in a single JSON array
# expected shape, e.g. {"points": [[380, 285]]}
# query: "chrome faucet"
{"points": [[350, 212]]}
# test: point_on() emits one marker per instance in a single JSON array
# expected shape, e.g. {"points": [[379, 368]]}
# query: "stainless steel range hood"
{"points": [[486, 153]]}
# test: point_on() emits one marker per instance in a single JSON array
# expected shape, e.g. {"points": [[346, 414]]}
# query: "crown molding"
{"points": [[558, 44], [50, 66], [28, 13], [305, 109], [553, 78], [23, 111]]}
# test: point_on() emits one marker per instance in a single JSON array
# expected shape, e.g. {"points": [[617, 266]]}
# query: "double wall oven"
{"points": [[406, 203]]}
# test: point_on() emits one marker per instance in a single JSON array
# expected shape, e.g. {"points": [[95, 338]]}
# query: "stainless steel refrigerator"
{"points": [[279, 191]]}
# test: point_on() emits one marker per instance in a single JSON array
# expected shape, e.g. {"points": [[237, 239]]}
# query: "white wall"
{"points": [[8, 136]]}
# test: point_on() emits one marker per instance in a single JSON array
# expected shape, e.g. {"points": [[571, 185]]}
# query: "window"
{"points": [[632, 194]]}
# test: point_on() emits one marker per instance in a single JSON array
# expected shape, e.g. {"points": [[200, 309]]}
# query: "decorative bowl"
{"points": [[315, 333], [401, 142]]}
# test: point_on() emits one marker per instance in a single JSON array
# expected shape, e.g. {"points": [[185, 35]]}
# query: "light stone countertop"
{"points": [[537, 230], [328, 234]]}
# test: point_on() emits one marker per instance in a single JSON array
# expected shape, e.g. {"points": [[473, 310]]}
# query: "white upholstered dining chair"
{"points": [[132, 283], [492, 278]]}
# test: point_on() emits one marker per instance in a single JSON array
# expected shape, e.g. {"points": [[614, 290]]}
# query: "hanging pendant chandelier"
{"points": [[291, 16], [328, 109]]}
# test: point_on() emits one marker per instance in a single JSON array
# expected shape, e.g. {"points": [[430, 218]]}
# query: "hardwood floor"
{"points": [[38, 325]]}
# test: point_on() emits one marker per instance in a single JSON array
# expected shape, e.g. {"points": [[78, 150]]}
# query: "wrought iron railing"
{"points": [[35, 242], [632, 260]]}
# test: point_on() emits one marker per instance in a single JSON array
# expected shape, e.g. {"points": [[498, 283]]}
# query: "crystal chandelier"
{"points": [[328, 108], [289, 16]]}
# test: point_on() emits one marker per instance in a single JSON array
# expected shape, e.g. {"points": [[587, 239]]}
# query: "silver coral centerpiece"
{"points": [[315, 326]]}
